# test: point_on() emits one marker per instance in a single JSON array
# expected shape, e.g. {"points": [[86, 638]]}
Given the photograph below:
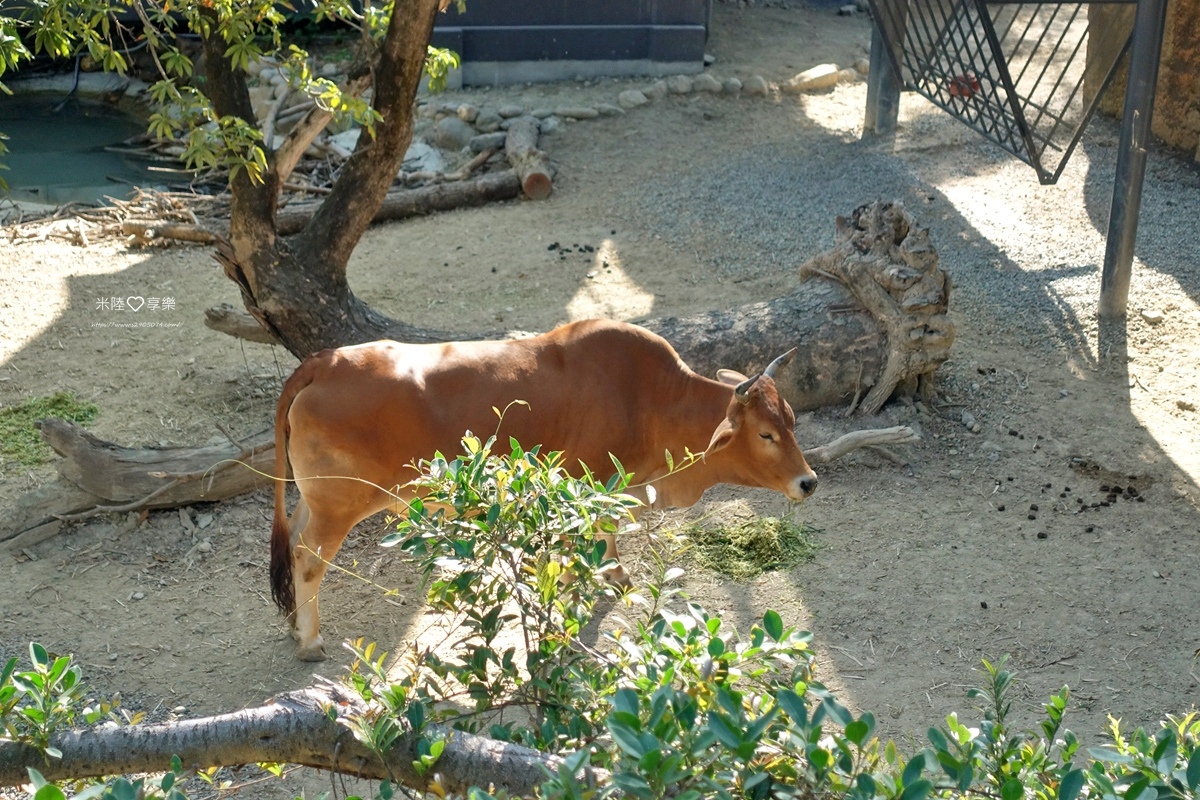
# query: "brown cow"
{"points": [[370, 412]]}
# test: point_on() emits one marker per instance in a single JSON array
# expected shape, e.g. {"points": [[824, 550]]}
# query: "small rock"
{"points": [[576, 112], [757, 85], [423, 157], [488, 121], [631, 98], [976, 428], [706, 83], [427, 111], [680, 84], [138, 596], [541, 113], [863, 65], [848, 10], [204, 547], [179, 710], [822, 76], [511, 110], [968, 419], [709, 59], [260, 100], [112, 656], [731, 85], [204, 520], [955, 474], [485, 141], [1063, 393], [656, 91], [609, 110], [1151, 316], [268, 73], [551, 124], [329, 69], [848, 75], [467, 112]]}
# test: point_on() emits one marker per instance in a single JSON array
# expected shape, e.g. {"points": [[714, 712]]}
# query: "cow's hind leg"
{"points": [[615, 575], [313, 546]]}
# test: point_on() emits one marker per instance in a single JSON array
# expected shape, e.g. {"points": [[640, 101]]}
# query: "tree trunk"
{"points": [[294, 728], [279, 280]]}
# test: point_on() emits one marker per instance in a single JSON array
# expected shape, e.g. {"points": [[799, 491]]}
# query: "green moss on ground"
{"points": [[747, 549], [20, 440]]}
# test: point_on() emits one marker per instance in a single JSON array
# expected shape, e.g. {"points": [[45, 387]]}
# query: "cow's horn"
{"points": [[779, 363], [742, 390]]}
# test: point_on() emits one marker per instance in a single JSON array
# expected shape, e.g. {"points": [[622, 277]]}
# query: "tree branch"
{"points": [[368, 174], [294, 728], [291, 150]]}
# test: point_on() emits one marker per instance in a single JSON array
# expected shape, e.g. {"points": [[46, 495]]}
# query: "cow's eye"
{"points": [[767, 436]]}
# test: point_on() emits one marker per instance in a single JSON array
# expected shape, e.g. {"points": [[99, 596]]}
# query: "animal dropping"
{"points": [[358, 418]]}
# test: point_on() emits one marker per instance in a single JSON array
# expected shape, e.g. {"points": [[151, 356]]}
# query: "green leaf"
{"points": [[858, 731], [49, 792], [918, 790], [1071, 785], [792, 705], [626, 700], [1193, 770], [726, 733], [626, 738], [937, 739], [773, 624], [914, 768], [1013, 789]]}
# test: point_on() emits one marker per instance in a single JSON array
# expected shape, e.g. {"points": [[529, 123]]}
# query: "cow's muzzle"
{"points": [[802, 488]]}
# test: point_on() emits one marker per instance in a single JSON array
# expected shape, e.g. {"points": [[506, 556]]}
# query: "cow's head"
{"points": [[755, 442]]}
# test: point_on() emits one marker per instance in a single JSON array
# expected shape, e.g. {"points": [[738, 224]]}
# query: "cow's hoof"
{"points": [[314, 652], [617, 578]]}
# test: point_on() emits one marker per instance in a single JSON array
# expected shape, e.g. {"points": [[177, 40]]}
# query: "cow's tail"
{"points": [[282, 586]]}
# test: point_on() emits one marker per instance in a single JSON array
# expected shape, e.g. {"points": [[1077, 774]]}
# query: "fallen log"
{"points": [[294, 728], [99, 477], [530, 163], [869, 319], [404, 203]]}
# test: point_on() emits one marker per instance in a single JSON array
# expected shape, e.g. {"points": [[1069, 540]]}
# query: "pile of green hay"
{"points": [[19, 439], [745, 550]]}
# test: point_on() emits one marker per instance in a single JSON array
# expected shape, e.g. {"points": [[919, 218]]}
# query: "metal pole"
{"points": [[1144, 55], [883, 91]]}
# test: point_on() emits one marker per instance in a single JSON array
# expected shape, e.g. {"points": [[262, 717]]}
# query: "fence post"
{"points": [[1144, 55]]}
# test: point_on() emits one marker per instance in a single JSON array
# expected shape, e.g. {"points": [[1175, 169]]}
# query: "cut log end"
{"points": [[537, 185]]}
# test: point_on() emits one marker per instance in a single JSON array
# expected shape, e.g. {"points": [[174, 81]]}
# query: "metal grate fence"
{"points": [[1017, 73]]}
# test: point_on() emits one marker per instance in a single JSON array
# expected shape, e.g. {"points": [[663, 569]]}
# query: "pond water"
{"points": [[56, 149]]}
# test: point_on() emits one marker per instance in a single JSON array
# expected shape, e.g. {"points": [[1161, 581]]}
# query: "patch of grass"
{"points": [[21, 442], [747, 549]]}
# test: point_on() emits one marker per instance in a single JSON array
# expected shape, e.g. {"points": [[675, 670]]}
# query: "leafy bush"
{"points": [[673, 705]]}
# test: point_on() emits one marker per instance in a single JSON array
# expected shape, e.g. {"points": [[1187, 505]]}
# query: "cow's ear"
{"points": [[722, 436], [731, 377]]}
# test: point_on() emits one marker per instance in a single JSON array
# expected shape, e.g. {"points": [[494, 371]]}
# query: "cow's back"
{"points": [[591, 387]]}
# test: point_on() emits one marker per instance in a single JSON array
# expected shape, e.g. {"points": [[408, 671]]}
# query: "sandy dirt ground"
{"points": [[923, 570]]}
